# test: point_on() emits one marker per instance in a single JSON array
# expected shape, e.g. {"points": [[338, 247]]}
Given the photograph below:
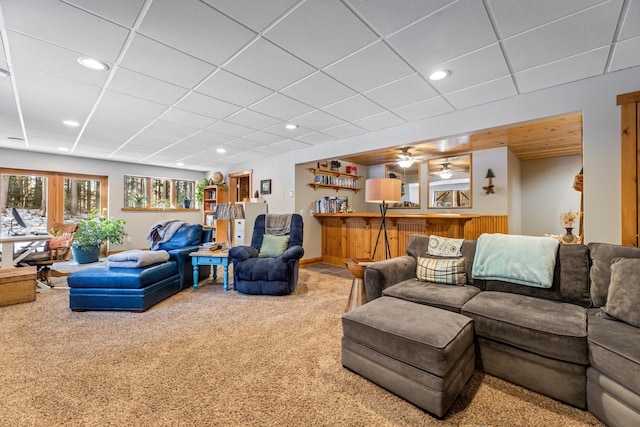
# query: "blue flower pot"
{"points": [[82, 256]]}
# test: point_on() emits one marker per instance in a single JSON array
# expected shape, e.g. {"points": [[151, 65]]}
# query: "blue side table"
{"points": [[214, 259]]}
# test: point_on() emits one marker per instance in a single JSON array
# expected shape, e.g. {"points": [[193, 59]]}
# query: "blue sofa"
{"points": [[136, 289]]}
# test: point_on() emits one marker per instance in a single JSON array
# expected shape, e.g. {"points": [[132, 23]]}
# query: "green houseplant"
{"points": [[92, 233]]}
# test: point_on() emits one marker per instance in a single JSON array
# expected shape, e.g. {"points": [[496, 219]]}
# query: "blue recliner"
{"points": [[268, 276]]}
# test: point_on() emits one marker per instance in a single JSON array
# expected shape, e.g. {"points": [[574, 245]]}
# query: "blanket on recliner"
{"points": [[162, 232], [136, 258], [525, 260]]}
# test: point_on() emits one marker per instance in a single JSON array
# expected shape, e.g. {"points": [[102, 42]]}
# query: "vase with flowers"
{"points": [[567, 219]]}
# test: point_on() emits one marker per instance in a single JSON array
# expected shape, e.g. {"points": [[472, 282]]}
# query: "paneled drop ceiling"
{"points": [[190, 78]]}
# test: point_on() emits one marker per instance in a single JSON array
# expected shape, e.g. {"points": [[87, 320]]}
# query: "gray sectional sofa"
{"points": [[556, 341]]}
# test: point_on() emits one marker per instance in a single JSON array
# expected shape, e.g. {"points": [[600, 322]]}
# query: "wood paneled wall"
{"points": [[354, 236]]}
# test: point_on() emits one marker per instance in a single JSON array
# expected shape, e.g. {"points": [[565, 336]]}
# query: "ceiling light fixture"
{"points": [[63, 149], [92, 64], [439, 75], [179, 164], [221, 150], [446, 171], [291, 126], [71, 123], [4, 73], [405, 159]]}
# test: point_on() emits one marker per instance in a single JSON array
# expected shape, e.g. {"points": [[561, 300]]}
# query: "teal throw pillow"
{"points": [[273, 246]]}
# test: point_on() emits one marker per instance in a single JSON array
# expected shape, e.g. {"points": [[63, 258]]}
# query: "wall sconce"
{"points": [[489, 188]]}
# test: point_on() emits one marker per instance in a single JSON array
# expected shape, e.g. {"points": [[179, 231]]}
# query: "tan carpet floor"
{"points": [[215, 358]]}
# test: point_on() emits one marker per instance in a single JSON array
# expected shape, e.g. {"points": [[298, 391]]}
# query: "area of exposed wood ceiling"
{"points": [[555, 136]]}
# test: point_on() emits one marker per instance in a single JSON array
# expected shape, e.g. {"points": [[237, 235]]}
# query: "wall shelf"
{"points": [[334, 180]]}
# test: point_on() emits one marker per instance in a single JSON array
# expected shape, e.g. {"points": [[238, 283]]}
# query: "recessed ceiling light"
{"points": [[4, 73], [63, 149], [92, 64], [71, 123], [291, 126], [439, 75], [179, 164], [221, 150]]}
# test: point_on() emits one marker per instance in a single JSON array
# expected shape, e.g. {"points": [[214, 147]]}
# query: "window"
{"points": [[157, 193]]}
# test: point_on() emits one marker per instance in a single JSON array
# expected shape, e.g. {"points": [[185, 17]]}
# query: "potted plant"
{"points": [[138, 200], [200, 190], [185, 198], [335, 165], [92, 233]]}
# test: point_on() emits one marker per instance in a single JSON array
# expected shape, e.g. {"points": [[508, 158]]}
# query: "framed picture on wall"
{"points": [[265, 186]]}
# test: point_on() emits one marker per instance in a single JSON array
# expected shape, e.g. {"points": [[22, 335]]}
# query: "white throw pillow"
{"points": [[444, 246]]}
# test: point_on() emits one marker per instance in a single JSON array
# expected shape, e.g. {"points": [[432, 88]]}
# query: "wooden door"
{"points": [[240, 185], [630, 166]]}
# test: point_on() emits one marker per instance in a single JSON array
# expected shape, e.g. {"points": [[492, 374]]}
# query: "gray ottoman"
{"points": [[421, 353]]}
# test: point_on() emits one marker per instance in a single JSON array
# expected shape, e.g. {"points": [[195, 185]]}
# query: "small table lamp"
{"points": [[229, 212], [383, 191]]}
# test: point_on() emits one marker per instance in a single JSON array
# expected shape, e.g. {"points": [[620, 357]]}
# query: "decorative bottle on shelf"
{"points": [[569, 237]]}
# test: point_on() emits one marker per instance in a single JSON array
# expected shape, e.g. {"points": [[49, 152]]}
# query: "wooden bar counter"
{"points": [[353, 235]]}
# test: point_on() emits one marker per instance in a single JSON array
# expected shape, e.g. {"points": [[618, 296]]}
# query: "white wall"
{"points": [[547, 192], [595, 97], [138, 223]]}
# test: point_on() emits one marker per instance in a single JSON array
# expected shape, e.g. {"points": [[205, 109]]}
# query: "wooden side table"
{"points": [[214, 259], [358, 295]]}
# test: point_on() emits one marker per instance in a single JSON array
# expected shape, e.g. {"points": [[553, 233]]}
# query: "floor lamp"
{"points": [[229, 212], [383, 191]]}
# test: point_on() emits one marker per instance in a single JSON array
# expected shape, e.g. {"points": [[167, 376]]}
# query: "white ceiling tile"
{"points": [[469, 70], [379, 121], [214, 137], [402, 92], [433, 40], [263, 137], [317, 120], [319, 90], [231, 88], [631, 26], [252, 119], [272, 149], [578, 33], [66, 26], [173, 129], [626, 54], [152, 137], [321, 32], [344, 131], [9, 126], [186, 118], [162, 62], [290, 145], [7, 99], [206, 106], [115, 100], [382, 65], [481, 94], [268, 65], [101, 124], [211, 36], [255, 14], [145, 87], [575, 68], [194, 144], [123, 12], [52, 59], [280, 129], [315, 138], [387, 17], [513, 17], [281, 106], [353, 108], [424, 109], [247, 144], [230, 129]]}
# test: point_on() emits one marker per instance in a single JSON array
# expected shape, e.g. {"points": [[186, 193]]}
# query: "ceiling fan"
{"points": [[446, 172], [405, 159]]}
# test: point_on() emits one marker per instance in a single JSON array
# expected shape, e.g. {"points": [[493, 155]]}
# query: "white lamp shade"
{"points": [[383, 190]]}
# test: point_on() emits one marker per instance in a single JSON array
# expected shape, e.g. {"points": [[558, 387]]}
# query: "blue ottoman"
{"points": [[133, 289]]}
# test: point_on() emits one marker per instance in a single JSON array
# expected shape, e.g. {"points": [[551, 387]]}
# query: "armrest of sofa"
{"points": [[182, 258], [293, 253], [382, 274], [240, 253]]}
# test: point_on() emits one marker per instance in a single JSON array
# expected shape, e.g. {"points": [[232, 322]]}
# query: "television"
{"points": [[16, 216]]}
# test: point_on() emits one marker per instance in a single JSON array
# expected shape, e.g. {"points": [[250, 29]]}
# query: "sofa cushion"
{"points": [[266, 269], [425, 337], [623, 300], [447, 297], [614, 349], [418, 244], [601, 256], [448, 271], [444, 246], [550, 328], [101, 276], [570, 279]]}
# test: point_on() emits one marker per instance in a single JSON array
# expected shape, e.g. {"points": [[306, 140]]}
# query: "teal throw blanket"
{"points": [[525, 260]]}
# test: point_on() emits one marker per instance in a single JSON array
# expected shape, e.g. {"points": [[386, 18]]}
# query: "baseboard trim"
{"points": [[310, 261]]}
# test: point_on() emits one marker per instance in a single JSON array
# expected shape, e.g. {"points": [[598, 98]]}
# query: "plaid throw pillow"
{"points": [[452, 271]]}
